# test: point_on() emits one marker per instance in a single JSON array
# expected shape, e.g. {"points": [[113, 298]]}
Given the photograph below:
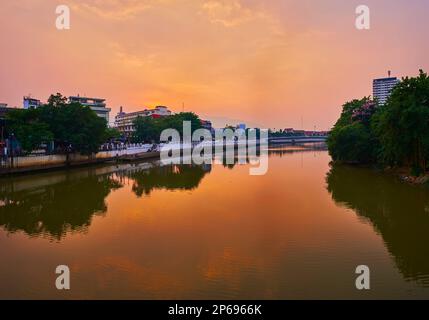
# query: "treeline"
{"points": [[68, 127], [394, 134], [148, 129]]}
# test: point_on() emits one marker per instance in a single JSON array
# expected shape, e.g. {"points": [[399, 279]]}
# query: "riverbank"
{"points": [[401, 173], [404, 175], [28, 164], [136, 152]]}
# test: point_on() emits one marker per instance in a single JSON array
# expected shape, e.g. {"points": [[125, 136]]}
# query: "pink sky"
{"points": [[265, 63]]}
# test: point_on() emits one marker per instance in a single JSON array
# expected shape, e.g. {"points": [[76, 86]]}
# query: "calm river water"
{"points": [[141, 231]]}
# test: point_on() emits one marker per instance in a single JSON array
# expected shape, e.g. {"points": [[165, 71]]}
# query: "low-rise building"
{"points": [[98, 105], [124, 122], [206, 124], [159, 111], [29, 102]]}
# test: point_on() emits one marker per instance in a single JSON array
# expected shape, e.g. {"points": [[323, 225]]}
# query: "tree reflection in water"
{"points": [[171, 177], [53, 210], [55, 204], [398, 212]]}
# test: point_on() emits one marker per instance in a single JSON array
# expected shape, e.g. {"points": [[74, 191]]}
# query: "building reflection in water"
{"points": [[398, 212], [55, 204]]}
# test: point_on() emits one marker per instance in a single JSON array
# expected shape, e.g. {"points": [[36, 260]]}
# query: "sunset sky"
{"points": [[267, 63]]}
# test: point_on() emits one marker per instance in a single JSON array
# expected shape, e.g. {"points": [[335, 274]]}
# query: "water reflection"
{"points": [[201, 232], [39, 208], [53, 205], [297, 148], [398, 212], [173, 177]]}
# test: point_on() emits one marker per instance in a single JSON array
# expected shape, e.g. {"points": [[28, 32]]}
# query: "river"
{"points": [[145, 231]]}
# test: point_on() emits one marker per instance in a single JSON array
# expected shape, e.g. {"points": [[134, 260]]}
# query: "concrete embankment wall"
{"points": [[135, 152], [43, 162], [47, 178]]}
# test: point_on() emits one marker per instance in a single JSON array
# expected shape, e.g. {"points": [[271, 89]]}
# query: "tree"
{"points": [[111, 134], [148, 129], [77, 128], [396, 134], [176, 121], [56, 100], [403, 124], [73, 127], [351, 144], [352, 140], [27, 128]]}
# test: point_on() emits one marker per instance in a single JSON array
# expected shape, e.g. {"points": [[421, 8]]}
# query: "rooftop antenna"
{"points": [[183, 107], [389, 73]]}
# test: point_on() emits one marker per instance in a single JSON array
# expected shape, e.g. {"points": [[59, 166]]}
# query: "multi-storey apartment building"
{"points": [[383, 87], [96, 104], [124, 122]]}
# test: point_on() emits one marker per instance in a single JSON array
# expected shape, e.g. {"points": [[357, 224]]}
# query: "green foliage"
{"points": [[148, 129], [351, 140], [176, 121], [79, 127], [403, 124], [57, 100], [27, 128], [352, 144], [395, 134], [73, 127], [111, 134]]}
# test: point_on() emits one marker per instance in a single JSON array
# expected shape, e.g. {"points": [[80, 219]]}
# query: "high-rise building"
{"points": [[383, 87], [96, 104]]}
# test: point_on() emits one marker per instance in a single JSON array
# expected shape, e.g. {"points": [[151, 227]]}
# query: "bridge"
{"points": [[297, 139]]}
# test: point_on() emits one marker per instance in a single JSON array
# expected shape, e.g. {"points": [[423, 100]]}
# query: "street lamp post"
{"points": [[12, 146]]}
